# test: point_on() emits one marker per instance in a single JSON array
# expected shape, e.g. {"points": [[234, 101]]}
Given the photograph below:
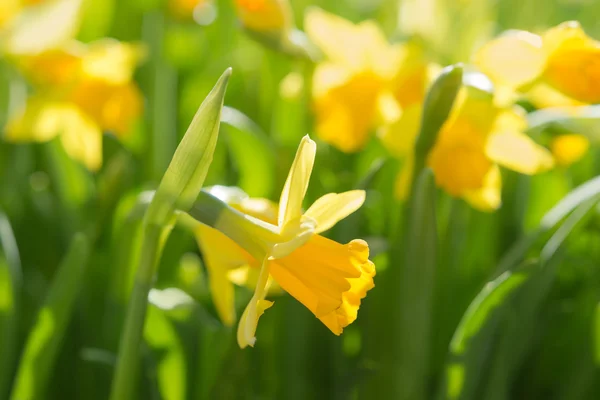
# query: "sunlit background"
{"points": [[485, 236]]}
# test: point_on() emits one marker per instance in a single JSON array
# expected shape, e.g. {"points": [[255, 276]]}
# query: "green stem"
{"points": [[129, 348]]}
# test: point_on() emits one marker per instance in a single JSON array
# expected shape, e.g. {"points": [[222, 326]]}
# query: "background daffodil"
{"points": [[80, 91], [559, 68], [478, 137], [364, 82]]}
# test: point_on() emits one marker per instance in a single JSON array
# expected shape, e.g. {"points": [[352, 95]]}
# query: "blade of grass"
{"points": [[45, 339]]}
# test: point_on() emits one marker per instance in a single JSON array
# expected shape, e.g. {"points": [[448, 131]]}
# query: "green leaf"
{"points": [[473, 337], [521, 317], [252, 153], [10, 302], [576, 197], [584, 120], [414, 290], [45, 339]]}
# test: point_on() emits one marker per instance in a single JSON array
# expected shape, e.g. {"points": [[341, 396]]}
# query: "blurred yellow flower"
{"points": [[477, 138], [80, 91], [265, 16], [329, 278], [365, 82], [570, 148], [564, 58], [32, 26], [560, 68]]}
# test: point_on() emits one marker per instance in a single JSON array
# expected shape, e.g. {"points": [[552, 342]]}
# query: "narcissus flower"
{"points": [[560, 68], [329, 278], [365, 82], [226, 261], [80, 91], [477, 138], [564, 58]]}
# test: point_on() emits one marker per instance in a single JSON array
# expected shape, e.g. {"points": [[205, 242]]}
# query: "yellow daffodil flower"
{"points": [[365, 82], [80, 91], [226, 261], [564, 58], [560, 68], [329, 278], [478, 137]]}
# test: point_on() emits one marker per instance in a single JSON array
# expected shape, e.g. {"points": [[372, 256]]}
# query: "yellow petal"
{"points": [[112, 61], [511, 148], [543, 95], [333, 207], [513, 59], [413, 76], [246, 332], [346, 113], [115, 107], [82, 139], [317, 273], [221, 255], [328, 278], [388, 108], [399, 137], [568, 149], [573, 65], [458, 158], [41, 27], [40, 121], [488, 197], [290, 203], [347, 313], [57, 67]]}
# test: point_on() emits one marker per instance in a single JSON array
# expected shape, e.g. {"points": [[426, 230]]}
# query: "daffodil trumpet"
{"points": [[329, 278]]}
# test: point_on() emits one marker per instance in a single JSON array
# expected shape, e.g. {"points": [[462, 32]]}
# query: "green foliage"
{"points": [[467, 305]]}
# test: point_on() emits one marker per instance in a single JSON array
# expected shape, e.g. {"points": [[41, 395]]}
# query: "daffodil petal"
{"points": [[573, 65], [246, 332], [41, 120], [112, 61], [290, 203], [221, 255], [334, 35], [488, 197], [511, 148], [333, 207], [320, 273], [399, 137], [513, 59], [82, 140], [41, 27]]}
